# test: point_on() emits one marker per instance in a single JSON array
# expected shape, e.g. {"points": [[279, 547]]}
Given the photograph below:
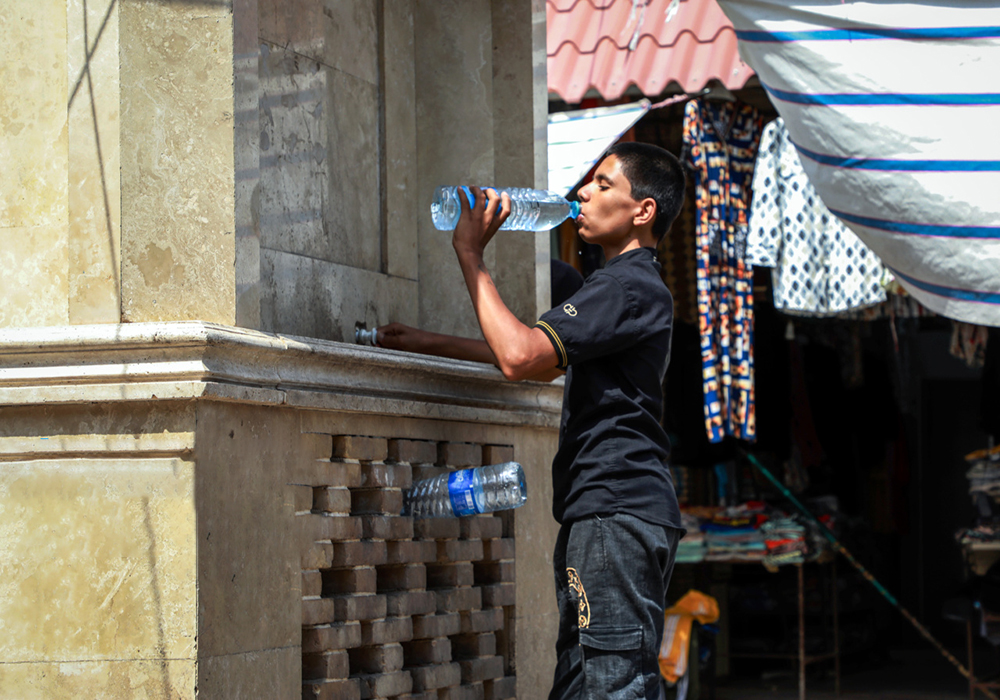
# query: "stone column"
{"points": [[178, 159]]}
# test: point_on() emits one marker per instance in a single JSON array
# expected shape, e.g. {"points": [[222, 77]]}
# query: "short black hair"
{"points": [[654, 173]]}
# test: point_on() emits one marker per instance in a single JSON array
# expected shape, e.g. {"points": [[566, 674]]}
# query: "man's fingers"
{"points": [[492, 203], [506, 207]]}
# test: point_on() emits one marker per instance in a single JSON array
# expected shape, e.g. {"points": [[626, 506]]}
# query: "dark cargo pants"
{"points": [[611, 584]]}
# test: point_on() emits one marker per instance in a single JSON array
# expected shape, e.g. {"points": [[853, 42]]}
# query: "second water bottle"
{"points": [[468, 492]]}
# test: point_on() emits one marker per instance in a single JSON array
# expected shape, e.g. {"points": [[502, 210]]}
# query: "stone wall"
{"points": [[394, 606], [266, 164], [190, 510]]}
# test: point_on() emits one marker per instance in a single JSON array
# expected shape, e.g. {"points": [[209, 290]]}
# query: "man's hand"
{"points": [[477, 224]]}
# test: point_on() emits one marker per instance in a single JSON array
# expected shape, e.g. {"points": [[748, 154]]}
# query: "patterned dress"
{"points": [[720, 144]]}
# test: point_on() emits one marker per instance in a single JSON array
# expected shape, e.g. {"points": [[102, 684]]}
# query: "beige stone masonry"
{"points": [[195, 510]]}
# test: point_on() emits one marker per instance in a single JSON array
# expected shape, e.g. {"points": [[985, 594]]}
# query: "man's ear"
{"points": [[645, 213]]}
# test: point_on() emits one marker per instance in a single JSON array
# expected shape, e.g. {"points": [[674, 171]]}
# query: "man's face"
{"points": [[607, 209]]}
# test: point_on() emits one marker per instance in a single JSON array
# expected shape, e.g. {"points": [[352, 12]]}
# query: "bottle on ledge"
{"points": [[531, 210], [468, 492]]}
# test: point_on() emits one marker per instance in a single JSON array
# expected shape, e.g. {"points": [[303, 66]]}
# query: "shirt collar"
{"points": [[634, 254]]}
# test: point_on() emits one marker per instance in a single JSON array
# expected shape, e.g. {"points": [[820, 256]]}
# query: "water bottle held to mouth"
{"points": [[531, 210]]}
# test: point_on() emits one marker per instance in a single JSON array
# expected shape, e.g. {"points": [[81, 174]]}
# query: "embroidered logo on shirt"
{"points": [[576, 586], [570, 310]]}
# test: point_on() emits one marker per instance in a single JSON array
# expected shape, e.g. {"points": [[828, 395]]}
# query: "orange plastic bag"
{"points": [[693, 605]]}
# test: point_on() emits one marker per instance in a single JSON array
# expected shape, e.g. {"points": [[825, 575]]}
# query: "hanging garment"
{"points": [[720, 144], [968, 343], [820, 267]]}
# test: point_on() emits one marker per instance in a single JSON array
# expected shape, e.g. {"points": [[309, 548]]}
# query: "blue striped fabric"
{"points": [[891, 122]]}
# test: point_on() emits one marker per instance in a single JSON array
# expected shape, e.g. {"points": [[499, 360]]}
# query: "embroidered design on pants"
{"points": [[576, 586]]}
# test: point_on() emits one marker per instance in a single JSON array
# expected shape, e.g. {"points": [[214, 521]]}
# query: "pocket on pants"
{"points": [[612, 662]]}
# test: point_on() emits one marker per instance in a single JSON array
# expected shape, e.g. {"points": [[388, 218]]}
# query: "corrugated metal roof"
{"points": [[611, 44]]}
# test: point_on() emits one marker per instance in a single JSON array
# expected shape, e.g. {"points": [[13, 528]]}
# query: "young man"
{"points": [[613, 496]]}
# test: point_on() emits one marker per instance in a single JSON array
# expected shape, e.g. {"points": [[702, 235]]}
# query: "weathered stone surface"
{"points": [[413, 451], [341, 689], [476, 670], [499, 595], [466, 646], [481, 527], [364, 449], [344, 635], [404, 577], [406, 603], [498, 454], [386, 527], [460, 454], [379, 658], [387, 631], [460, 550], [458, 599], [328, 664], [501, 688], [450, 575], [437, 528], [488, 620], [422, 652], [425, 626], [437, 676], [361, 579]]}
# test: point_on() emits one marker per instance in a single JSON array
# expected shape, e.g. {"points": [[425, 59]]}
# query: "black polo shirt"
{"points": [[613, 339]]}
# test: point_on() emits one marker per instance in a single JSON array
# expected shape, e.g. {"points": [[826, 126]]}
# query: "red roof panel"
{"points": [[611, 44]]}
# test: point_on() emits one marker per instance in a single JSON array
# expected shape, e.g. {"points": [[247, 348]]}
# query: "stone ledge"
{"points": [[194, 359]]}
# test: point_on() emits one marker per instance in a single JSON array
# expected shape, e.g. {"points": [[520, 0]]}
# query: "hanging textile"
{"points": [[820, 268], [893, 107], [968, 343], [720, 144]]}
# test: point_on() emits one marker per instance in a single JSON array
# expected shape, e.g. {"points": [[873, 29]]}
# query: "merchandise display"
{"points": [[749, 532]]}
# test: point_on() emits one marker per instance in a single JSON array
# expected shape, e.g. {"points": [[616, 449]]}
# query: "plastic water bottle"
{"points": [[531, 210], [468, 492]]}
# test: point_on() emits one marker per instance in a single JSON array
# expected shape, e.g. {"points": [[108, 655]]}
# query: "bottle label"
{"points": [[460, 490]]}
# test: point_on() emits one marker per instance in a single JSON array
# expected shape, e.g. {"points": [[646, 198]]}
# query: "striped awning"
{"points": [[894, 107]]}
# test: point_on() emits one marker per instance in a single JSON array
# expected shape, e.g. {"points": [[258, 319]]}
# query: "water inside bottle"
{"points": [[531, 210]]}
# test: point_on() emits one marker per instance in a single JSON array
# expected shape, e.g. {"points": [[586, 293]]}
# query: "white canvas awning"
{"points": [[893, 107], [578, 139]]}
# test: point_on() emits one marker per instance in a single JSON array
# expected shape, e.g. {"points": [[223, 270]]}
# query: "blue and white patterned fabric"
{"points": [[893, 107], [820, 268]]}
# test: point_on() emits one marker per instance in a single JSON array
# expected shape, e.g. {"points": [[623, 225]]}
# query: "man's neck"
{"points": [[613, 251]]}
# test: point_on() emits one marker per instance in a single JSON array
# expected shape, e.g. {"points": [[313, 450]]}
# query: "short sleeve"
{"points": [[597, 320]]}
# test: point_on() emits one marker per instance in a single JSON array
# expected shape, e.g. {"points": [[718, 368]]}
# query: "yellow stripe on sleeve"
{"points": [[551, 332]]}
